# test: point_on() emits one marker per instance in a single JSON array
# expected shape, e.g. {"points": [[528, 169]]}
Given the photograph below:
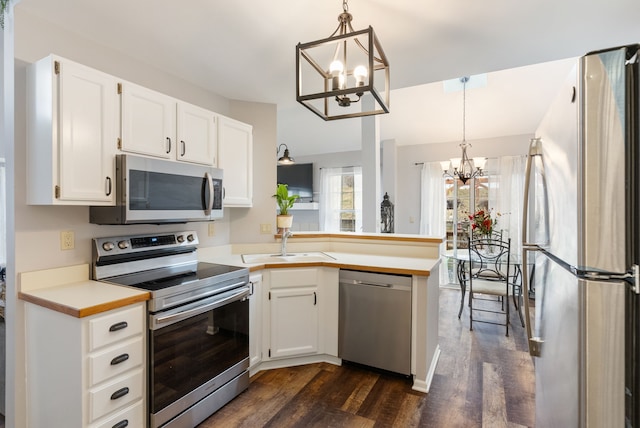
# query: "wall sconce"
{"points": [[285, 159]]}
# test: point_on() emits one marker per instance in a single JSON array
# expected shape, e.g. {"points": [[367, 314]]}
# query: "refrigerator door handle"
{"points": [[535, 343]]}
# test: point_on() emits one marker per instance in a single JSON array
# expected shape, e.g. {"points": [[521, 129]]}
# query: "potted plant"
{"points": [[285, 201]]}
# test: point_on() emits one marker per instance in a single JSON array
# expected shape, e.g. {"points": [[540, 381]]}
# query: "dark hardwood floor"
{"points": [[483, 379]]}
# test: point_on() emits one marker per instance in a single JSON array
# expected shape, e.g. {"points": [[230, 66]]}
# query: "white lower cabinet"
{"points": [[294, 321], [255, 321], [300, 312], [86, 372]]}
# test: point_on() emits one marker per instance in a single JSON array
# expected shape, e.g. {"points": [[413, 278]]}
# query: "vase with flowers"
{"points": [[482, 223]]}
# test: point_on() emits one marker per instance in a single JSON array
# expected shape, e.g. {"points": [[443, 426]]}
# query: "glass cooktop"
{"points": [[158, 279]]}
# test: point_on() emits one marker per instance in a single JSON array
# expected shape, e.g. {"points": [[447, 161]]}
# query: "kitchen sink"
{"points": [[289, 258]]}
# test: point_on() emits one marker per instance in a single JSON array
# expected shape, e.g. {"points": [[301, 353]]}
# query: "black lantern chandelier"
{"points": [[464, 168], [334, 74]]}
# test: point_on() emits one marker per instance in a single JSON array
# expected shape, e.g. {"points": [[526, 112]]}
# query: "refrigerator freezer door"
{"points": [[558, 135], [603, 232], [580, 371]]}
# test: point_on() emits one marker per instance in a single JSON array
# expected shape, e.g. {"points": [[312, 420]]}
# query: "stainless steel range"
{"points": [[198, 342]]}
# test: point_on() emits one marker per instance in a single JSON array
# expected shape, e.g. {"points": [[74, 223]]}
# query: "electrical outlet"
{"points": [[67, 240], [265, 228], [212, 229]]}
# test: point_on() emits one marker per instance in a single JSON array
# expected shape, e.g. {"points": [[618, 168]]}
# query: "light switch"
{"points": [[265, 228]]}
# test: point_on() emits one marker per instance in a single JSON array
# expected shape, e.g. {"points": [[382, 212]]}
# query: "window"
{"points": [[341, 199]]}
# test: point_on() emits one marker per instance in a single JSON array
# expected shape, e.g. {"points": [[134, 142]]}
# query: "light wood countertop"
{"points": [[365, 262], [68, 290]]}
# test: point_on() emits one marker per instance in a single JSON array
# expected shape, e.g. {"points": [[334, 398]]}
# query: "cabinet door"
{"points": [[197, 135], [235, 156], [148, 122], [294, 321], [255, 320], [88, 103]]}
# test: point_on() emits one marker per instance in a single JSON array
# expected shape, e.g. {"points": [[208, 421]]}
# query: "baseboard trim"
{"points": [[424, 385]]}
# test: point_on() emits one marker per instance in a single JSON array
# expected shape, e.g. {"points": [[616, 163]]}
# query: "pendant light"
{"points": [[333, 75], [464, 168]]}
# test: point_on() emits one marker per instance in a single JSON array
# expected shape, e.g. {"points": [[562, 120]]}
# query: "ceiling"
{"points": [[245, 50]]}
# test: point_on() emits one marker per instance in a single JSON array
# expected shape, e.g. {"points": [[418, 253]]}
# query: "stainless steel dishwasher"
{"points": [[374, 326]]}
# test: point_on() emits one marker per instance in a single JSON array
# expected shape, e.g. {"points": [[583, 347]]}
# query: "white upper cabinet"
{"points": [[235, 157], [196, 134], [148, 122], [158, 125], [72, 115]]}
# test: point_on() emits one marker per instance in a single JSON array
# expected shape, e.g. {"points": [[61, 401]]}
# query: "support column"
{"points": [[371, 197]]}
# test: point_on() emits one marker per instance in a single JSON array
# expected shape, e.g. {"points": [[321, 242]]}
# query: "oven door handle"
{"points": [[179, 316]]}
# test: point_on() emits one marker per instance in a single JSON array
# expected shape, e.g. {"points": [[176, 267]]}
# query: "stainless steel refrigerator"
{"points": [[582, 229]]}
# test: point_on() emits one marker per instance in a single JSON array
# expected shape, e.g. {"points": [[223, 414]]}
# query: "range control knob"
{"points": [[123, 245], [190, 238], [108, 246], [181, 238]]}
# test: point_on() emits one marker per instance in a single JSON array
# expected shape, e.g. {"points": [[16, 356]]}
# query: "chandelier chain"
{"points": [[345, 5], [464, 109]]}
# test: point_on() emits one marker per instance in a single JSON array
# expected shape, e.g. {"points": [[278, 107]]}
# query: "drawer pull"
{"points": [[120, 393], [118, 326], [122, 424], [120, 359]]}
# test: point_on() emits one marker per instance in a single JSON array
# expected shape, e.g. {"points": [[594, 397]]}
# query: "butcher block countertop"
{"points": [[70, 291]]}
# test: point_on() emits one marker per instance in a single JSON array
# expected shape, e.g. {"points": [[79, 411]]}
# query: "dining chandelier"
{"points": [[335, 74], [464, 168]]}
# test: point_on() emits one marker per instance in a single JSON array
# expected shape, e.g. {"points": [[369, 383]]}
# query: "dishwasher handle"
{"points": [[374, 284], [379, 285]]}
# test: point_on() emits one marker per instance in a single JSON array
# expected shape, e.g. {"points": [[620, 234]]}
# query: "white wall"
{"points": [[245, 222], [407, 204]]}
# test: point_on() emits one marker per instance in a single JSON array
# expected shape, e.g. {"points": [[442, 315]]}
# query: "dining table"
{"points": [[461, 258]]}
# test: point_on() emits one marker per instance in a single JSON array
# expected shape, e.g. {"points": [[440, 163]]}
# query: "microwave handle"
{"points": [[209, 207]]}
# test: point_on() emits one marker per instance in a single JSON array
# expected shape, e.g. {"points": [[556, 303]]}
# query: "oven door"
{"points": [[195, 349]]}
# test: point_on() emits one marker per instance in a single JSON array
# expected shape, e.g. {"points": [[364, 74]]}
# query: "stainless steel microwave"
{"points": [[160, 191]]}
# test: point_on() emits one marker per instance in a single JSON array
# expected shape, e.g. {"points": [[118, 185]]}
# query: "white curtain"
{"points": [[433, 200], [331, 198], [505, 196]]}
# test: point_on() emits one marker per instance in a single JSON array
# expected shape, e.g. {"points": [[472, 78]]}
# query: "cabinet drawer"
{"points": [[115, 395], [294, 277], [115, 326], [132, 417], [115, 361]]}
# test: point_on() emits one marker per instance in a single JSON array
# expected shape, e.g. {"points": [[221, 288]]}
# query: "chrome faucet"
{"points": [[285, 234]]}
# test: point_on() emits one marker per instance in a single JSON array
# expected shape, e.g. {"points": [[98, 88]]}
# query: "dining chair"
{"points": [[489, 264]]}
